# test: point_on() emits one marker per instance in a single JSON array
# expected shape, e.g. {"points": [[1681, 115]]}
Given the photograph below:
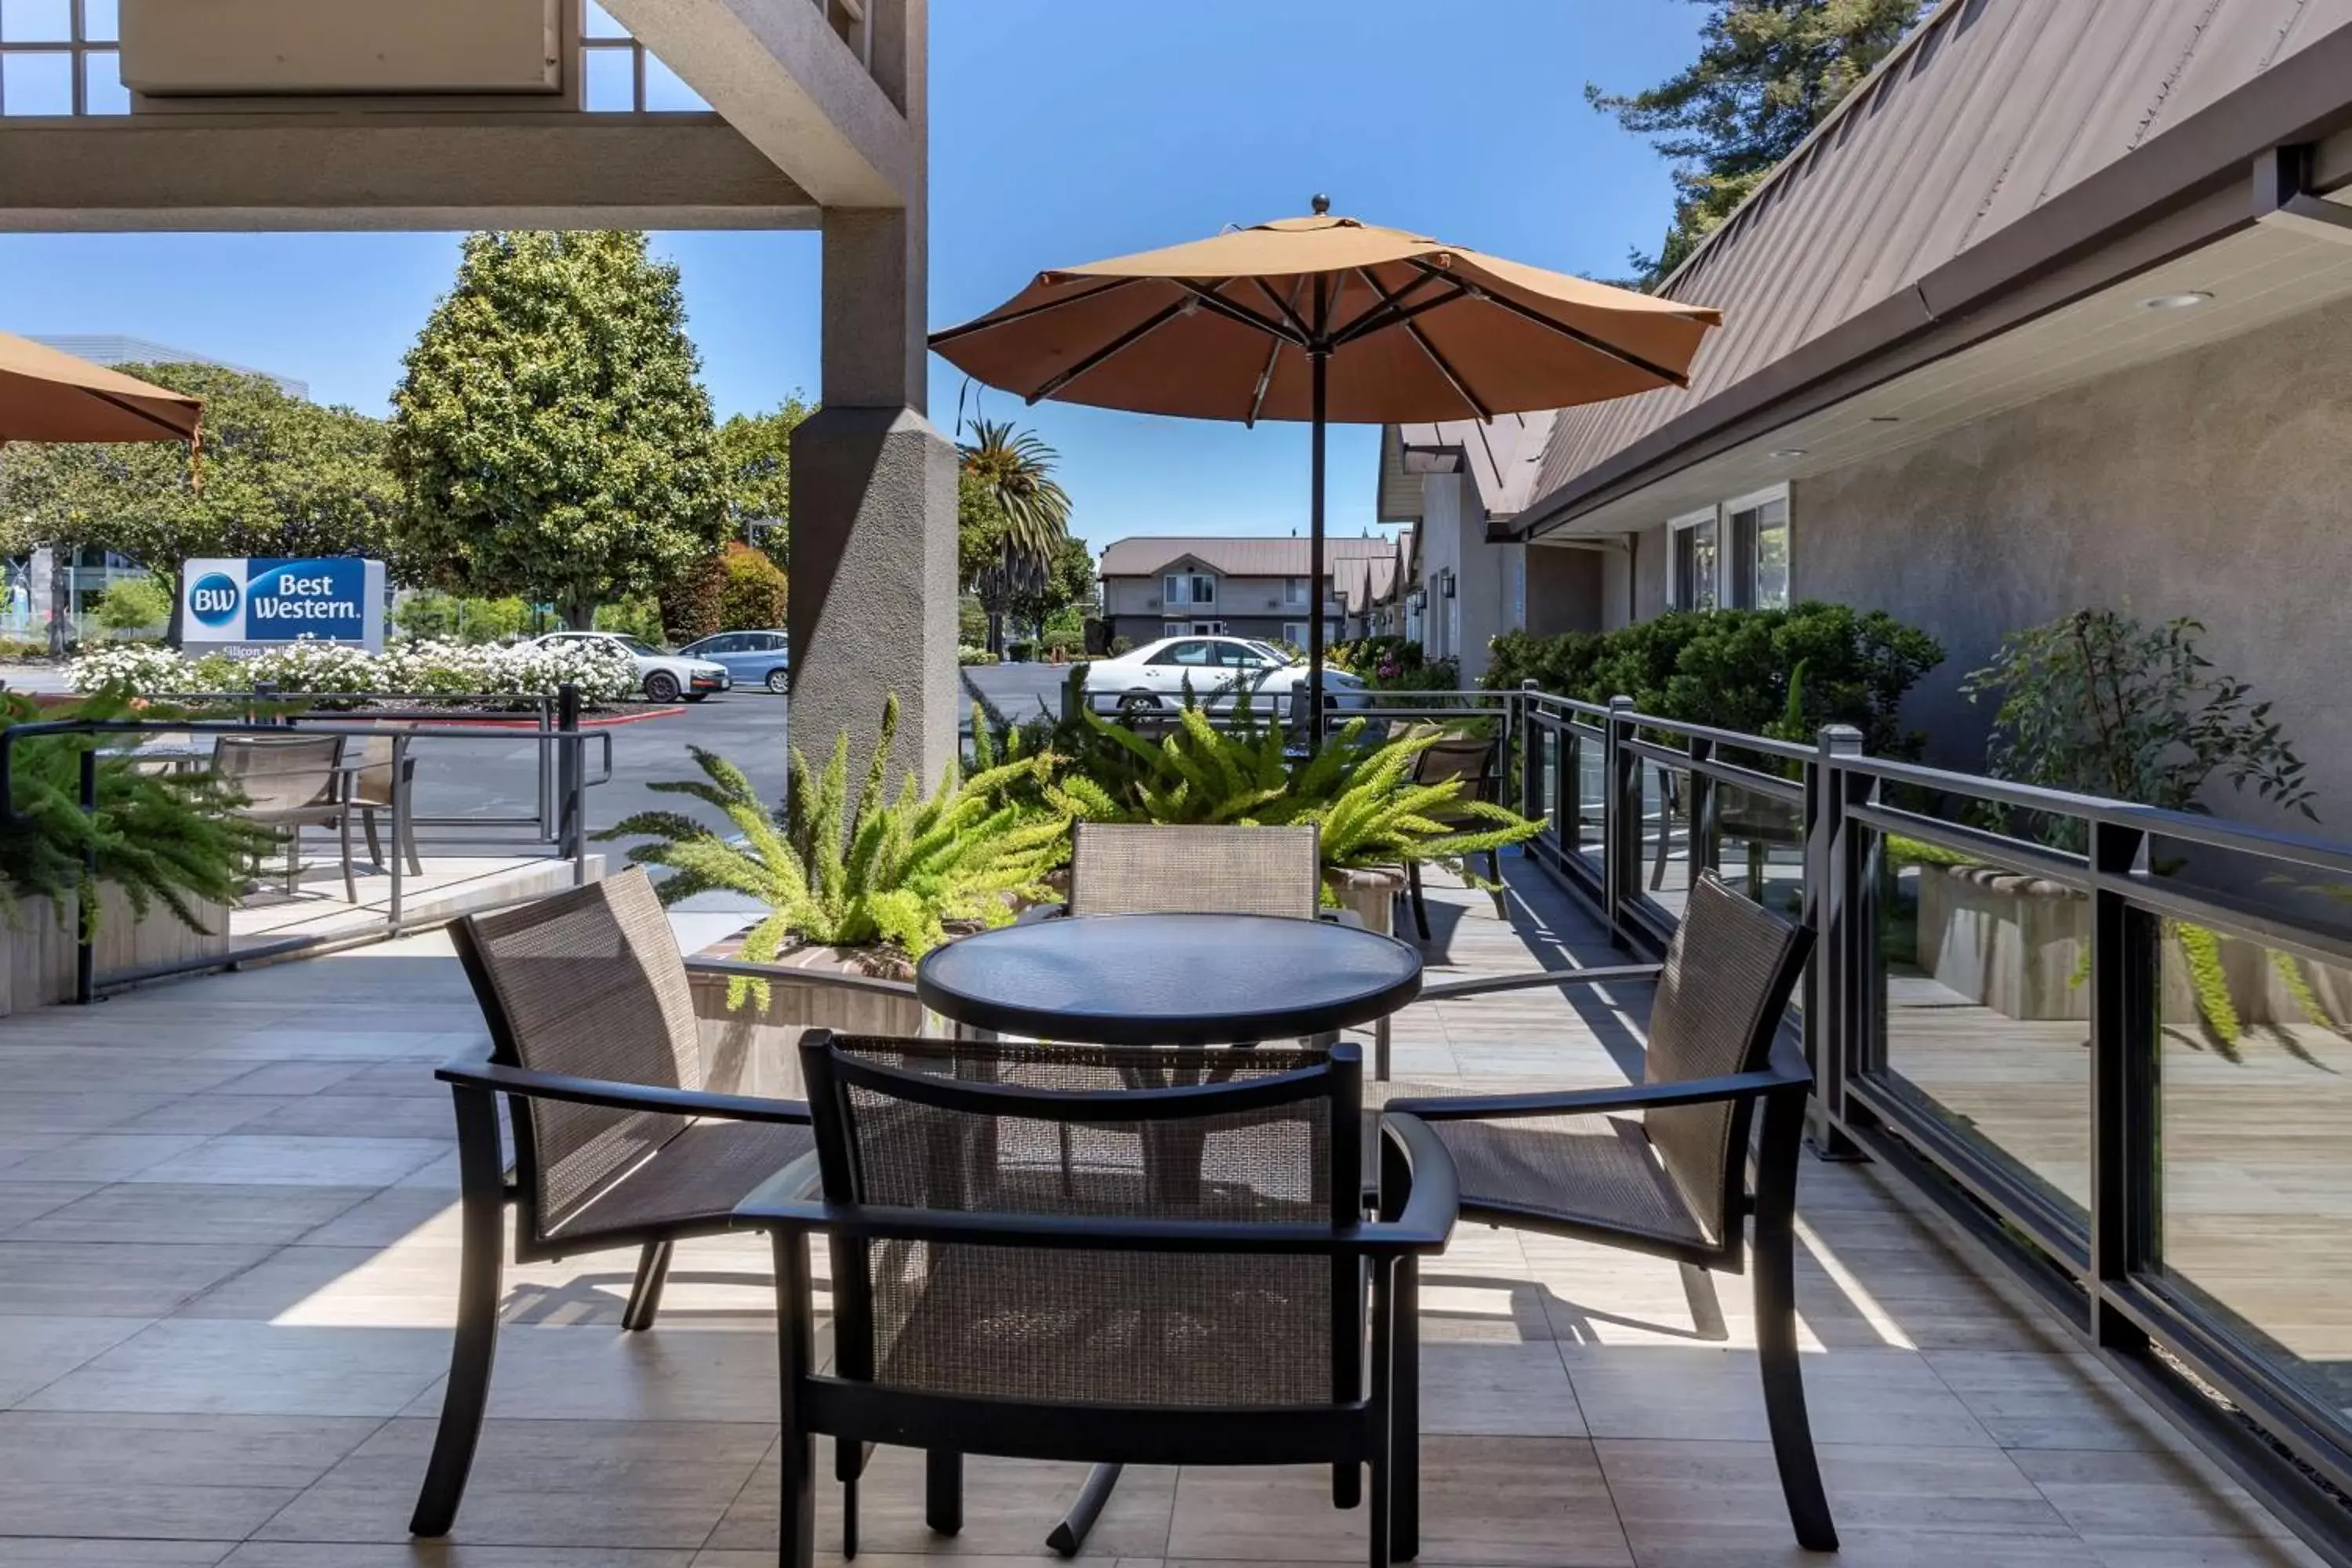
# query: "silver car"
{"points": [[1218, 670]]}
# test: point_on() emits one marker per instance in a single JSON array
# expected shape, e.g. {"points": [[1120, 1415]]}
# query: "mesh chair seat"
{"points": [[1575, 1169], [696, 1178]]}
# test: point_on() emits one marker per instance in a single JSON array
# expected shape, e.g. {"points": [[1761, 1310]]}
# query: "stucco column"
{"points": [[873, 598]]}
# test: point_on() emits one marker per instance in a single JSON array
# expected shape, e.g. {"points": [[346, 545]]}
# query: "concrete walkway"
{"points": [[228, 1251]]}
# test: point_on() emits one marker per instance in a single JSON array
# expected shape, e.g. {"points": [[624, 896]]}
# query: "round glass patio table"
{"points": [[1169, 980]]}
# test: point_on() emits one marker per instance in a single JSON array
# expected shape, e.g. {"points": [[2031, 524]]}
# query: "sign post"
{"points": [[245, 605]]}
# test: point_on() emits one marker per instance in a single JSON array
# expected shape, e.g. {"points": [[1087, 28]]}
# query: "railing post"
{"points": [[2123, 1081], [1835, 911], [1699, 811], [547, 766], [1530, 751], [572, 770], [403, 808], [85, 895], [1621, 816]]}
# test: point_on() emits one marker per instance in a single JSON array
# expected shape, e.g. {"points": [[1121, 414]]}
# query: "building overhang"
{"points": [[2048, 301]]}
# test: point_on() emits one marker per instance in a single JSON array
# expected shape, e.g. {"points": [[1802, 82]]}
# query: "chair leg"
{"points": [[1413, 890], [1386, 1433], [943, 1491], [467, 1396], [796, 1454], [1405, 1419], [293, 858], [350, 888], [645, 1295], [367, 827], [1776, 1325]]}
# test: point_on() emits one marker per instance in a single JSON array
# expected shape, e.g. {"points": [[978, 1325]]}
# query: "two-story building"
{"points": [[1184, 586]]}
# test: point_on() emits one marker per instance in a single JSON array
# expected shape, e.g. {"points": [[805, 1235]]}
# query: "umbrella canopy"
{"points": [[46, 395], [1414, 329], [1325, 318]]}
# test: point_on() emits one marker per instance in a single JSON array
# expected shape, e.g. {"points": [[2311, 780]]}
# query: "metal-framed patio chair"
{"points": [[617, 1142], [1150, 868], [1674, 1182], [289, 784], [1094, 1253], [1473, 760], [372, 788]]}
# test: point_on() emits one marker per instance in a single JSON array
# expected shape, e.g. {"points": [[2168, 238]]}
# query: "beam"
{"points": [[391, 171], [835, 123], [2285, 197]]}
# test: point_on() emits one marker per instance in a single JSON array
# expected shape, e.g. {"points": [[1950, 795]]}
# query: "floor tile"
{"points": [[36, 1352], [163, 1477], [2123, 1493], [1851, 1396], [1661, 1487], [167, 1211], [81, 1278], [258, 1369], [103, 1157], [1500, 1389], [297, 1161], [600, 1373]]}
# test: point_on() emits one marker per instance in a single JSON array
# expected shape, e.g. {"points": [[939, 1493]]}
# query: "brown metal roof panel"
{"points": [[2122, 104], [2245, 38], [2033, 103]]}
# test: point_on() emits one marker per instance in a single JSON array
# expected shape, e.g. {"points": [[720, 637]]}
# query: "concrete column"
{"points": [[873, 607]]}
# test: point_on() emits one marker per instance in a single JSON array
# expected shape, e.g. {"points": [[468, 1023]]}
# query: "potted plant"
{"points": [[864, 886]]}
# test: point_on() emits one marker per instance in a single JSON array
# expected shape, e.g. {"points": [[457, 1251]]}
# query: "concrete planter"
{"points": [[2256, 988], [2013, 943], [754, 1050], [37, 949], [1370, 895]]}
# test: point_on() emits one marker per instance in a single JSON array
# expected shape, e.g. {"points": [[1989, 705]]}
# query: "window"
{"points": [[1294, 590], [1181, 590], [1295, 633], [1734, 555], [1188, 655], [1174, 628]]}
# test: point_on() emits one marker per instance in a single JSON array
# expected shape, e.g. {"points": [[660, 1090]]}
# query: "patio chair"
{"points": [[289, 784], [1473, 761], [616, 1142], [1149, 869], [370, 790], [1673, 1183], [1093, 1253]]}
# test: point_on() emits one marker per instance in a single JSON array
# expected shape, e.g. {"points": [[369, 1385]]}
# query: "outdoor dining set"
{"points": [[1139, 1204]]}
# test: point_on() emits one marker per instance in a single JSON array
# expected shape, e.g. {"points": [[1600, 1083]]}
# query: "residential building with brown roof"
{"points": [[1180, 585]]}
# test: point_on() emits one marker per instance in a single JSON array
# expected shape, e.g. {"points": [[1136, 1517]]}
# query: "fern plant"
{"points": [[165, 839], [891, 873], [1360, 793]]}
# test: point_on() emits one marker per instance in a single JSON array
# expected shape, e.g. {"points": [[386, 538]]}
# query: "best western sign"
{"points": [[256, 604]]}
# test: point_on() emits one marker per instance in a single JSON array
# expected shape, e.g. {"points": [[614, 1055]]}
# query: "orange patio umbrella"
{"points": [[1325, 318], [46, 395]]}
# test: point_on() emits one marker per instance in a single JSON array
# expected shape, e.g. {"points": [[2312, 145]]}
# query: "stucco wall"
{"points": [[2215, 484], [1564, 590]]}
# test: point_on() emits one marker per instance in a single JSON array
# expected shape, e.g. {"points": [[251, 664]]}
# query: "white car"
{"points": [[1218, 670], [663, 677]]}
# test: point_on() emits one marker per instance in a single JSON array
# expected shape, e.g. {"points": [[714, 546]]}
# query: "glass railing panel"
{"points": [[1759, 847], [2255, 1148], [1983, 1002], [1663, 876], [1592, 797]]}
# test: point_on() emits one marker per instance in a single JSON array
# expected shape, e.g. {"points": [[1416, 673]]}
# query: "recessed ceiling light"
{"points": [[2182, 302], [1786, 452]]}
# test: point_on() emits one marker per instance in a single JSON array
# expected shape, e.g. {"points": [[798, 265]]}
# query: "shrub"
{"points": [[136, 605], [893, 873], [753, 591], [1768, 672], [445, 617], [690, 602], [311, 666], [1020, 652], [131, 669], [636, 617], [971, 656], [19, 651], [604, 674]]}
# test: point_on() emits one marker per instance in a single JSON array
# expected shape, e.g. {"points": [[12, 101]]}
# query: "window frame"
{"points": [[1735, 568]]}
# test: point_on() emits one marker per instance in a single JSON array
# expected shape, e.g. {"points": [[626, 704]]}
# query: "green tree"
{"points": [[755, 461], [1067, 584], [136, 605], [754, 590], [1012, 517], [1767, 73], [280, 476], [550, 430]]}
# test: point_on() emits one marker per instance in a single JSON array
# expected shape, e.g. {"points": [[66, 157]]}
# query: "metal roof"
{"points": [[1988, 111], [1502, 457], [1228, 557]]}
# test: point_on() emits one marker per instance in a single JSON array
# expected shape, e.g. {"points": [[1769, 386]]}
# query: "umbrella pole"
{"points": [[1317, 361]]}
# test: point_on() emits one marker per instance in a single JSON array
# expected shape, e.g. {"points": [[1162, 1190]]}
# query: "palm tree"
{"points": [[1014, 470]]}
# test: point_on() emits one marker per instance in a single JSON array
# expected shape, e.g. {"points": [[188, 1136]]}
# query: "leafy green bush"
{"points": [[136, 605], [1768, 672], [164, 838], [18, 650], [974, 656], [435, 616], [690, 602], [894, 874], [752, 596]]}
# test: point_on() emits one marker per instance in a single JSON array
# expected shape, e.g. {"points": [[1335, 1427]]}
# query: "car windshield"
{"points": [[1272, 653], [639, 645]]}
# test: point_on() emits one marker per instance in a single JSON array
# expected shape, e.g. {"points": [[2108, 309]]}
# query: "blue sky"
{"points": [[1062, 131]]}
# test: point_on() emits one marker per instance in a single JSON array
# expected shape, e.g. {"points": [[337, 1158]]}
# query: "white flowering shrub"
{"points": [[310, 665], [434, 668], [134, 669], [602, 671]]}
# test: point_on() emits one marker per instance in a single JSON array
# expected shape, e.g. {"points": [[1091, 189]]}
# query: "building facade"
{"points": [[2051, 313], [1173, 585]]}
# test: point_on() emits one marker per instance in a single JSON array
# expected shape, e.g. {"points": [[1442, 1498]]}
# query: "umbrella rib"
{"points": [[1393, 311], [1273, 353], [951, 335], [1453, 377], [1118, 345], [1242, 313], [1288, 308], [1622, 356]]}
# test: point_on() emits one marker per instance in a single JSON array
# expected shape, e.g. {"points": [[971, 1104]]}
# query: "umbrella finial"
{"points": [[1321, 204]]}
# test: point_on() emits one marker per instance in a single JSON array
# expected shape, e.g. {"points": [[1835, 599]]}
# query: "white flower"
{"points": [[138, 669]]}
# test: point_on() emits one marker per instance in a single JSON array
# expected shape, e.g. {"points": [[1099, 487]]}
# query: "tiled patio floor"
{"points": [[228, 1250]]}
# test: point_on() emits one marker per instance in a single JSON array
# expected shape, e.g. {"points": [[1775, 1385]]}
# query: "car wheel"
{"points": [[661, 686], [1136, 704], [780, 681]]}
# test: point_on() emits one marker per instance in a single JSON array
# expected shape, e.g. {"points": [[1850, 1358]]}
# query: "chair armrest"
{"points": [[1434, 1199], [1584, 1101], [1618, 973], [614, 1096], [769, 1209], [838, 979], [1038, 913]]}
